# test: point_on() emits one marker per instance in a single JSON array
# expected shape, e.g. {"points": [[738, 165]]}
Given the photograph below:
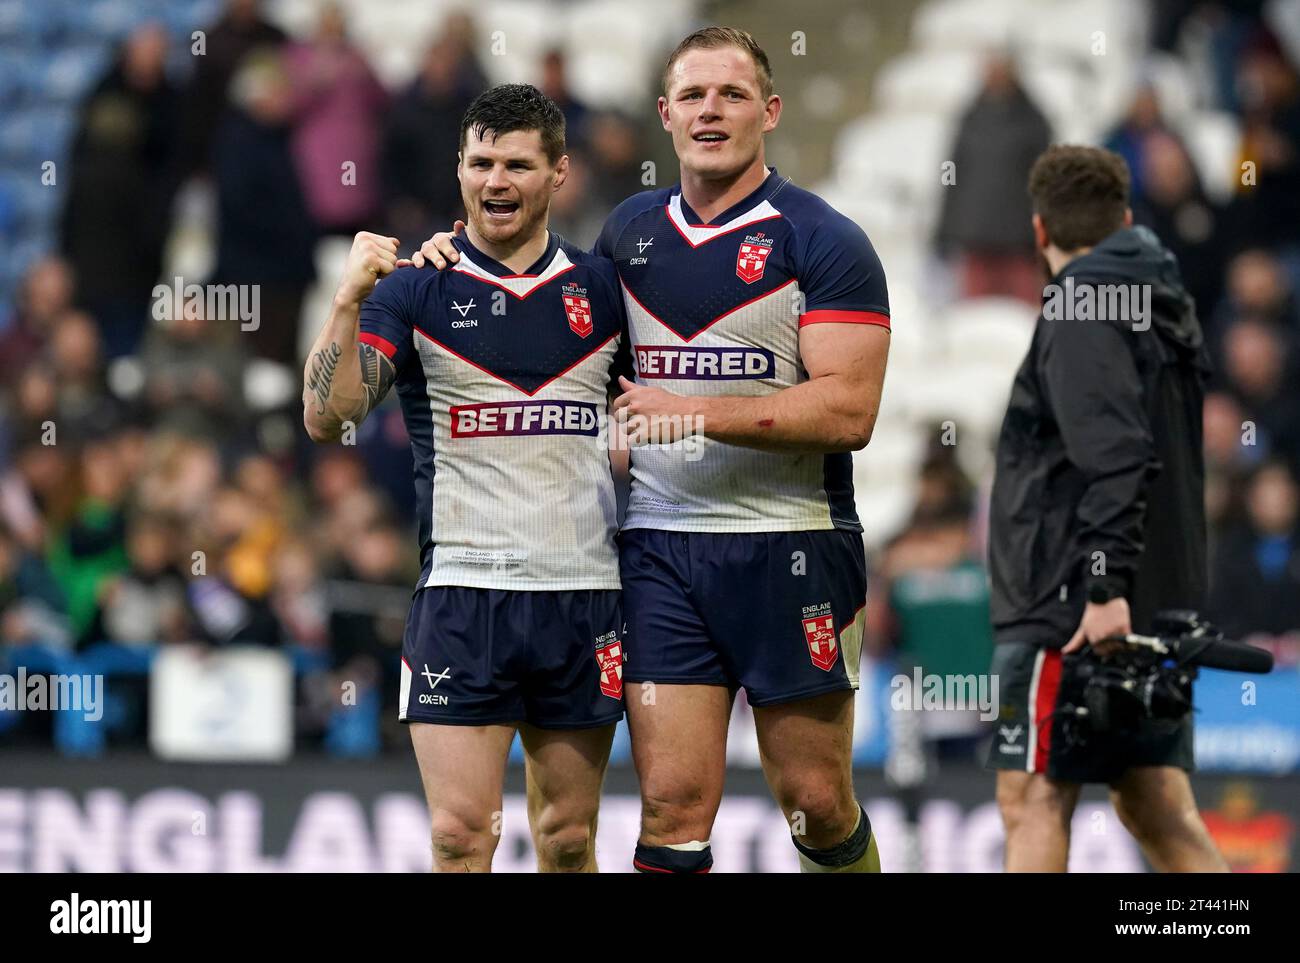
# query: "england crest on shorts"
{"points": [[577, 308], [819, 633], [751, 260], [609, 659]]}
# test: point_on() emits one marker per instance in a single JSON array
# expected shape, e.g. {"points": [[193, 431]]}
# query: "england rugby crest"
{"points": [[577, 308], [609, 659], [751, 260], [819, 633]]}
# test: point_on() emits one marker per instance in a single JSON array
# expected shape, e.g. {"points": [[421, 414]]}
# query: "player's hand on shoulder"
{"points": [[372, 257], [438, 250]]}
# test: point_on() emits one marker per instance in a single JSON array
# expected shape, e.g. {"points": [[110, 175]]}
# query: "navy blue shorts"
{"points": [[1031, 734], [478, 657], [779, 613]]}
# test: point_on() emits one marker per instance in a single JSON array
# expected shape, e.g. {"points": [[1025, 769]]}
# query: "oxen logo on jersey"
{"points": [[577, 307], [609, 660], [752, 257], [463, 310], [819, 633]]}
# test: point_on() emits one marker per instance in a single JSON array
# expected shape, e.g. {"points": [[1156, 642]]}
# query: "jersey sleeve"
{"points": [[840, 276], [622, 366], [622, 363], [386, 316], [604, 246], [620, 217]]}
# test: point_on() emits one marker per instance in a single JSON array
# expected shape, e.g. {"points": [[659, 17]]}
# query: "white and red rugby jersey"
{"points": [[503, 380], [715, 309]]}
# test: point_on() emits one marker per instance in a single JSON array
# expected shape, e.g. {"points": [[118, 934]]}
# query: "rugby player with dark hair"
{"points": [[503, 367]]}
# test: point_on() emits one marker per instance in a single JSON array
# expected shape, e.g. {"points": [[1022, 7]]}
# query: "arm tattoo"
{"points": [[377, 374], [321, 378]]}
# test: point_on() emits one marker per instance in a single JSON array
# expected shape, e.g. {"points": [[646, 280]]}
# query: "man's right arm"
{"points": [[344, 377]]}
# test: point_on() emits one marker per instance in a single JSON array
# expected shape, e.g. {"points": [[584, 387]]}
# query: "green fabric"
{"points": [[943, 619], [81, 576]]}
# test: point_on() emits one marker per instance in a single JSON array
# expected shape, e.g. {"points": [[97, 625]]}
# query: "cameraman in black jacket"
{"points": [[1097, 517]]}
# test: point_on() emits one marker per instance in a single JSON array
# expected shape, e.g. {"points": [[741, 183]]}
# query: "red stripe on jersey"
{"points": [[375, 341], [827, 315], [712, 227], [1049, 686], [715, 320], [493, 374]]}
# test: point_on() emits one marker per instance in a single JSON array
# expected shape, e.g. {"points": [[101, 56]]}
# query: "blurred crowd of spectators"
{"points": [[148, 494], [1240, 260], [298, 139]]}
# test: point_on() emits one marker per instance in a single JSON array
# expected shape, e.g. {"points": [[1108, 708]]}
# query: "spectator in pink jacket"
{"points": [[338, 105]]}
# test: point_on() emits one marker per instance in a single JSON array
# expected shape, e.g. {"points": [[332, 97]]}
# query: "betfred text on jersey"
{"points": [[496, 420], [722, 364]]}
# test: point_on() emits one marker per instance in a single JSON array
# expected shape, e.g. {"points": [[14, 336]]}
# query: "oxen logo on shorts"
{"points": [[819, 632], [609, 659]]}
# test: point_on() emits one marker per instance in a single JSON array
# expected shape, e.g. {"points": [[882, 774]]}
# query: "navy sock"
{"points": [[847, 852], [663, 859]]}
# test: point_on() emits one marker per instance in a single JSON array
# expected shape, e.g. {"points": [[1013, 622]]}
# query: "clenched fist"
{"points": [[372, 257]]}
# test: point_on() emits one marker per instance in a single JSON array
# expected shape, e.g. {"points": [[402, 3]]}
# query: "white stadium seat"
{"points": [[883, 509], [615, 72], [989, 331], [967, 24], [1074, 29], [520, 31], [1213, 138], [1175, 86], [1063, 91], [930, 81], [897, 156]]}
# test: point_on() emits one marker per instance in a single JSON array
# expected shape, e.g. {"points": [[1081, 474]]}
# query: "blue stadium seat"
{"points": [[30, 23], [17, 134], [8, 204], [11, 20], [111, 19], [38, 205], [183, 18], [68, 75], [26, 251], [11, 82]]}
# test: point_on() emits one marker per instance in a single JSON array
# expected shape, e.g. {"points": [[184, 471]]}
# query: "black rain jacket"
{"points": [[1099, 468]]}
